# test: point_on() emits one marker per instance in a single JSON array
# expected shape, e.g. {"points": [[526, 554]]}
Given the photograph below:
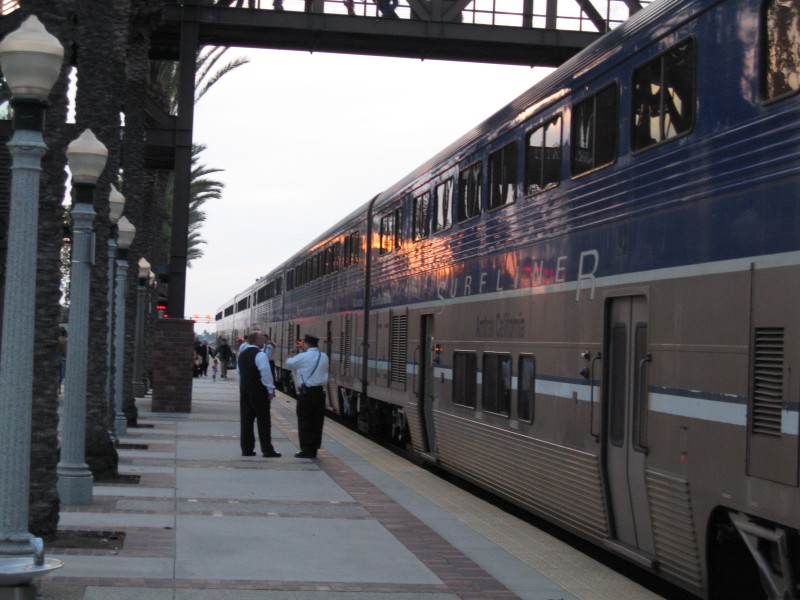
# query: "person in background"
{"points": [[205, 357], [256, 390], [311, 367], [214, 368], [269, 346], [225, 354]]}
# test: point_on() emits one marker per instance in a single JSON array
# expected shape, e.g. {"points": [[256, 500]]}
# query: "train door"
{"points": [[426, 388], [625, 426]]}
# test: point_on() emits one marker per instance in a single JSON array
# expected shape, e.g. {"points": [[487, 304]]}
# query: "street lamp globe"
{"points": [[152, 279], [87, 157], [116, 204], [31, 60], [125, 233], [144, 269]]}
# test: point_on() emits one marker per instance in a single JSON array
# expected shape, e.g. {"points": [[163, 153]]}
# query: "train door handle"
{"points": [[416, 368], [639, 444], [595, 358]]}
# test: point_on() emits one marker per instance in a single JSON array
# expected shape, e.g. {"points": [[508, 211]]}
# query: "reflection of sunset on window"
{"points": [[782, 34]]}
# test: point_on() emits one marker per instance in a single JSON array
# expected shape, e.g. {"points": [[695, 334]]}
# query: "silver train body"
{"points": [[586, 305]]}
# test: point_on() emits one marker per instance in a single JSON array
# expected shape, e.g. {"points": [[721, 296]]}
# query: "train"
{"points": [[586, 304]]}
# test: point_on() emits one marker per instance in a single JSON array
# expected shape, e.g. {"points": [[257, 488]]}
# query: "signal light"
{"points": [[162, 311]]}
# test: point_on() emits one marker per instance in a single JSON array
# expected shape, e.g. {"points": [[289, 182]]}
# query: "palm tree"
{"points": [[208, 73], [202, 190], [148, 188], [99, 29], [44, 502], [165, 73]]}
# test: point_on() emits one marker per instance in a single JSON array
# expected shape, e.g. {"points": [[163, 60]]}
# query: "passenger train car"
{"points": [[586, 304]]}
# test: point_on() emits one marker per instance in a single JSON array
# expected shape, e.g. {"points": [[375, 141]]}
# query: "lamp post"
{"points": [[31, 61], [87, 158], [116, 202], [125, 235], [144, 279]]}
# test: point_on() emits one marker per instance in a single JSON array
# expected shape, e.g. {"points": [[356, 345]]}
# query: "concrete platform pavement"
{"points": [[358, 522]]}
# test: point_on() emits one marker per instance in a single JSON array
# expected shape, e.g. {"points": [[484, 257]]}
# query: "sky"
{"points": [[304, 139]]}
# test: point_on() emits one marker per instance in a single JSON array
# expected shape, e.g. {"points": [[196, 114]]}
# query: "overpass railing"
{"points": [[543, 14]]}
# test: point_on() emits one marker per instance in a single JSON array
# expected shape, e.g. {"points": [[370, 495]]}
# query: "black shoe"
{"points": [[271, 454], [248, 453], [305, 455]]}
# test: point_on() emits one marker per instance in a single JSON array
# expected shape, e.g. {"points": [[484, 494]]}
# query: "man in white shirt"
{"points": [[311, 376]]}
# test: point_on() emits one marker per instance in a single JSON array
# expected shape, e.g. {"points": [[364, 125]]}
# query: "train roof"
{"points": [[574, 73]]}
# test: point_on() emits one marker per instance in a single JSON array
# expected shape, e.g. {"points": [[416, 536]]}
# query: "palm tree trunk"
{"points": [[135, 185], [102, 29], [44, 500]]}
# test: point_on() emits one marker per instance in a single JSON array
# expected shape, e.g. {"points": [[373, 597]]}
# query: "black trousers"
{"points": [[310, 418], [254, 407]]}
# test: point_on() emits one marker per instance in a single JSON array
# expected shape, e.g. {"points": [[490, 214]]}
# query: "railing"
{"points": [[509, 13]]}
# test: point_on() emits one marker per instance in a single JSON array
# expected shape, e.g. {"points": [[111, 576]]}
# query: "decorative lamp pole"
{"points": [[87, 158], [125, 235], [144, 278], [31, 60], [116, 202]]}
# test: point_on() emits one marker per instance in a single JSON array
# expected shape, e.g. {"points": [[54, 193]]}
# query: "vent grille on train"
{"points": [[673, 527], [344, 348], [768, 381], [399, 344]]}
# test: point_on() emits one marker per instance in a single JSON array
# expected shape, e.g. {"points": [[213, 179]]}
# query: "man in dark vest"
{"points": [[256, 390]]}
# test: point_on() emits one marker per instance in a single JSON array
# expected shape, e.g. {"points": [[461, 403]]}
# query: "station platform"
{"points": [[204, 523]]}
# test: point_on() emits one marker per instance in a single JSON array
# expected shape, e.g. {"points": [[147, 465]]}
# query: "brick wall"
{"points": [[172, 365]]}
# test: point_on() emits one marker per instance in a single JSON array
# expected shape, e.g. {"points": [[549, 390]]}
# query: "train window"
{"points": [[465, 375], [443, 215], [664, 97], [346, 256], [387, 233], [336, 254], [422, 223], [543, 157], [503, 176], [616, 389], [526, 388], [355, 247], [398, 228], [496, 384], [469, 197], [781, 54], [594, 131]]}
